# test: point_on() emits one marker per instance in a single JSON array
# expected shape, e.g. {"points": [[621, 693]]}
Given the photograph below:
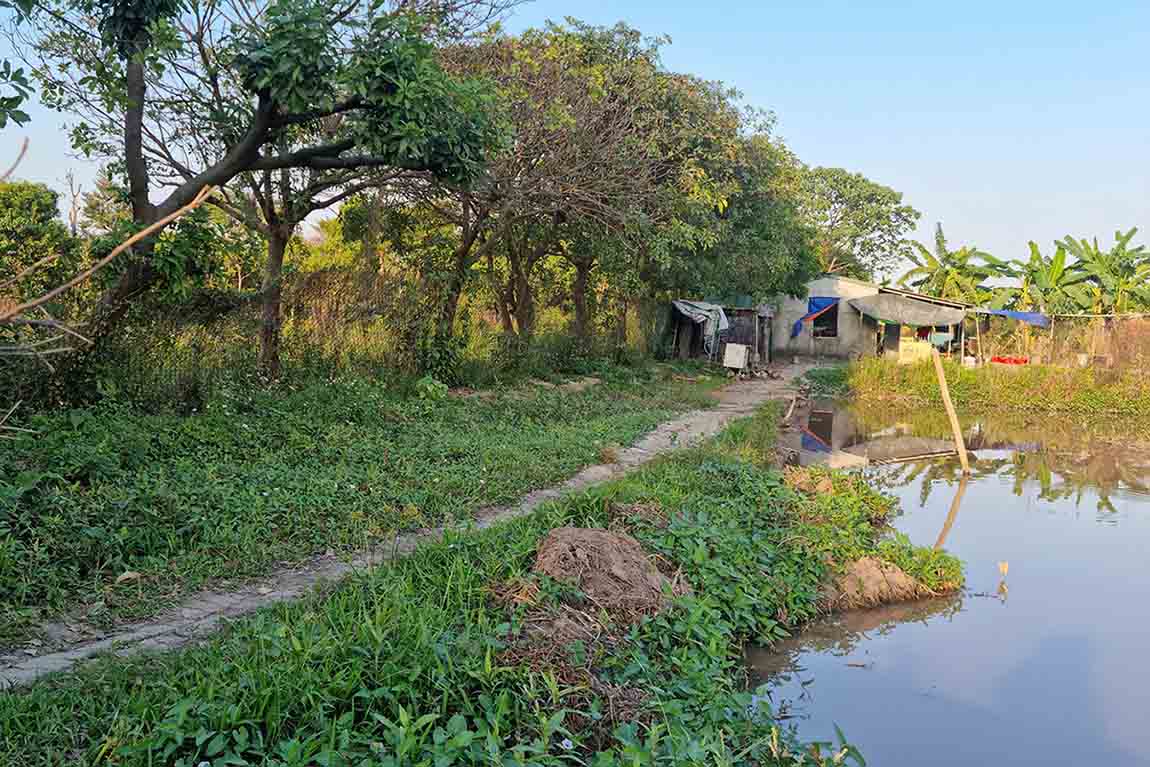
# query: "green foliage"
{"points": [[1046, 284], [1119, 279], [431, 389], [959, 275], [255, 478], [830, 381], [1031, 388], [861, 225], [933, 568], [30, 232], [403, 665], [14, 91], [1079, 277], [127, 26]]}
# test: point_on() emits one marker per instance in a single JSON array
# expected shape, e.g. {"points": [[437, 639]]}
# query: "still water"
{"points": [[1043, 659]]}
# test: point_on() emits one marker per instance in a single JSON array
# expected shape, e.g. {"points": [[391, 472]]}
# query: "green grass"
{"points": [[830, 381], [403, 666], [1034, 388], [280, 475]]}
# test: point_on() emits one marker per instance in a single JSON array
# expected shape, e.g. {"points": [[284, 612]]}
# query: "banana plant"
{"points": [[1049, 284], [958, 275], [1118, 280]]}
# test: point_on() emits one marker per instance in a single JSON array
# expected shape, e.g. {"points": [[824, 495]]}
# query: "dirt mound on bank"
{"points": [[869, 582], [610, 569], [809, 481]]}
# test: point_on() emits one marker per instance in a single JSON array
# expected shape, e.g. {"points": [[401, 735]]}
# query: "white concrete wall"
{"points": [[854, 337]]}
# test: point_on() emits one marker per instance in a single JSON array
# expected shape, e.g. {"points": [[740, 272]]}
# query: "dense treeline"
{"points": [[562, 176]]}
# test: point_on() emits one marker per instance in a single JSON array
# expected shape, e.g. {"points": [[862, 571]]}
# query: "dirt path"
{"points": [[204, 612]]}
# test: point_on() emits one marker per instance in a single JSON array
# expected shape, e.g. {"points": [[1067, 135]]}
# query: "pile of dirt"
{"points": [[618, 585], [805, 480], [610, 569], [869, 582]]}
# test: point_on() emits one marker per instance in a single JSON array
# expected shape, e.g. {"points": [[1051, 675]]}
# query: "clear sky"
{"points": [[1006, 121]]}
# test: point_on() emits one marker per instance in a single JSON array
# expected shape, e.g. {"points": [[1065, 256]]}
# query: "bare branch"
{"points": [[15, 165]]}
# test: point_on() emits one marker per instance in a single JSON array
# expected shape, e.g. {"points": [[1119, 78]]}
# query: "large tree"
{"points": [[193, 94], [575, 99], [861, 226]]}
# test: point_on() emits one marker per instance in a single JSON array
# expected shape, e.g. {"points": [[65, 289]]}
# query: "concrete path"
{"points": [[204, 612]]}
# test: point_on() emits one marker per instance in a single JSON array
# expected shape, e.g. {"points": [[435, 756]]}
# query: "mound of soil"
{"points": [[869, 582], [806, 481], [609, 568]]}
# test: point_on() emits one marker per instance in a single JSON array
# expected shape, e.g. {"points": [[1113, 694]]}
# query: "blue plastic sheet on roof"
{"points": [[1031, 318], [815, 305]]}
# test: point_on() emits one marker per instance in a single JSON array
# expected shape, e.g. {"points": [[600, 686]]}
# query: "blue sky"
{"points": [[1006, 121]]}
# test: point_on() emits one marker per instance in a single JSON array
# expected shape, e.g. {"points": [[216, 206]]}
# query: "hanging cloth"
{"points": [[816, 305]]}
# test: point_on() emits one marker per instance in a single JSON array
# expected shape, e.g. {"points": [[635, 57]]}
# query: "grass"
{"points": [[1034, 388], [273, 476], [831, 381], [406, 664]]}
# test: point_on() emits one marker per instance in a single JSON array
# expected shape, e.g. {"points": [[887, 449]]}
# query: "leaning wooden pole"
{"points": [[952, 514], [959, 444]]}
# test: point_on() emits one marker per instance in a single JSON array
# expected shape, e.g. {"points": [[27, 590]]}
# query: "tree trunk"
{"points": [[524, 298], [272, 295], [621, 324], [139, 274], [445, 325], [370, 250], [579, 298], [499, 296]]}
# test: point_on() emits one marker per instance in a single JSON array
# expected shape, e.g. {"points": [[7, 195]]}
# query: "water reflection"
{"points": [[1060, 457], [1055, 673]]}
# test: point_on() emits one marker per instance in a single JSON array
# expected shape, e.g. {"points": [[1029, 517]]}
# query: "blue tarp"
{"points": [[1031, 318], [815, 305]]}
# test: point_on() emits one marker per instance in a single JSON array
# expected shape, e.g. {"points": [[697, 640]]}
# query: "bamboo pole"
{"points": [[959, 445], [952, 514]]}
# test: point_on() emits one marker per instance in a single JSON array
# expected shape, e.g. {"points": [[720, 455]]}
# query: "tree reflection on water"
{"points": [[1061, 459]]}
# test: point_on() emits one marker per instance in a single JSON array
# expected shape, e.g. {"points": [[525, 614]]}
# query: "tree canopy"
{"points": [[862, 226]]}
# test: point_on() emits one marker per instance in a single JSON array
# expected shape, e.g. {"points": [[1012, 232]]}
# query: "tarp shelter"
{"points": [[710, 316], [816, 305], [1030, 318], [895, 309]]}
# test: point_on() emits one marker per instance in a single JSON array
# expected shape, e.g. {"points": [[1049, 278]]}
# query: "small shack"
{"points": [[702, 329], [847, 318]]}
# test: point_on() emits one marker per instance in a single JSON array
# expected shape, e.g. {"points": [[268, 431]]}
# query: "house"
{"points": [[848, 318]]}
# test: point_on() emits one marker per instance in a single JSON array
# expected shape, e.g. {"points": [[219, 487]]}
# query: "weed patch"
{"points": [[435, 659], [1034, 388], [832, 381], [278, 476]]}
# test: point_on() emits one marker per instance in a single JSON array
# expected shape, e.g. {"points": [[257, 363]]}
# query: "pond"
{"points": [[1042, 660]]}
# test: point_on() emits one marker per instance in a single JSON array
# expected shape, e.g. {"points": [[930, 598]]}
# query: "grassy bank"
{"points": [[830, 381], [1035, 388], [279, 475], [413, 663]]}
